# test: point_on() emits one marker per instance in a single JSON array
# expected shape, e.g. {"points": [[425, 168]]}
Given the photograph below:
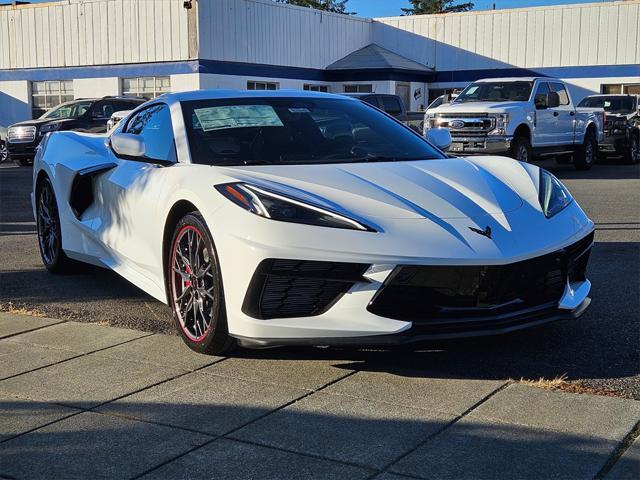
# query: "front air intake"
{"points": [[298, 288]]}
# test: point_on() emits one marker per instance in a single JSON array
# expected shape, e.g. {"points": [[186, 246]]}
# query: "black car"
{"points": [[622, 125], [84, 115]]}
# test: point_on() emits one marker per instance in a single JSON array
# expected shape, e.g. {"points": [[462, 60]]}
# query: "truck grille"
{"points": [[21, 134], [456, 293], [298, 288], [464, 123]]}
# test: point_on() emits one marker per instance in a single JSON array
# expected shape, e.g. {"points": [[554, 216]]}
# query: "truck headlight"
{"points": [[553, 195], [501, 121]]}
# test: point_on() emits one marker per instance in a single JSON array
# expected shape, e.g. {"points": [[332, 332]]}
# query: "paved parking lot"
{"points": [[81, 400]]}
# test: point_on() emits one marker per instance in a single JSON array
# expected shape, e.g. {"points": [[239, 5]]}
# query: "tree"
{"points": [[336, 6], [422, 7]]}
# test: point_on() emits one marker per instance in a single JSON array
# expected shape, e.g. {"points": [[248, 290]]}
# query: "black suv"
{"points": [[83, 115], [622, 125]]}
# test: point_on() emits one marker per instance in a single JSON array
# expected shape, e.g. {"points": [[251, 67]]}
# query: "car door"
{"points": [[128, 223], [564, 115], [543, 133], [98, 116]]}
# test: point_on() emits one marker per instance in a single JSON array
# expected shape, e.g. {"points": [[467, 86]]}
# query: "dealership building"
{"points": [[57, 51]]}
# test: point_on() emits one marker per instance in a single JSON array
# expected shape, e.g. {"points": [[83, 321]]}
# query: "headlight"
{"points": [[52, 127], [501, 120], [283, 208], [429, 121], [553, 195]]}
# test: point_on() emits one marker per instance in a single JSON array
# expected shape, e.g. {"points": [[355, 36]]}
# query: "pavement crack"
{"points": [[619, 451]]}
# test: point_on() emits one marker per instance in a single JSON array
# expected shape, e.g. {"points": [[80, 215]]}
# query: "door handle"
{"points": [[572, 113], [555, 114]]}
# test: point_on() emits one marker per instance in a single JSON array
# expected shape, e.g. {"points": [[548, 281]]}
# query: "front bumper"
{"points": [[23, 149], [483, 145]]}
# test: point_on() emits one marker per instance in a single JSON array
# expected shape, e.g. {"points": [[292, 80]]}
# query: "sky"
{"points": [[390, 8]]}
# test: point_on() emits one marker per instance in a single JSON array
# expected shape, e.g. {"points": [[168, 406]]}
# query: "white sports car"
{"points": [[273, 218]]}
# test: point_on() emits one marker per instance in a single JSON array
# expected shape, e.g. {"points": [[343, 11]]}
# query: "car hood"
{"points": [[479, 107], [447, 188], [41, 121]]}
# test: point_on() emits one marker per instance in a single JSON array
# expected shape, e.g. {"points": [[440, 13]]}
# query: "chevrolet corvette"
{"points": [[274, 218]]}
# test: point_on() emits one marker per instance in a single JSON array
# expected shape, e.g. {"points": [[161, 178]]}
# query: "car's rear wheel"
{"points": [[521, 149], [585, 154], [4, 152], [50, 231], [195, 288], [632, 155]]}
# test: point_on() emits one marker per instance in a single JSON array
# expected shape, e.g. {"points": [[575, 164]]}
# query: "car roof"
{"points": [[513, 79], [224, 94]]}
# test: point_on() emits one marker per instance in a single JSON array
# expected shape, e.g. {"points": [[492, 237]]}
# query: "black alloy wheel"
{"points": [[195, 288]]}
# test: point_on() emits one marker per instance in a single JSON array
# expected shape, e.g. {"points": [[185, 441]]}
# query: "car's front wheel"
{"points": [[195, 288], [585, 154], [50, 231], [4, 152], [521, 149]]}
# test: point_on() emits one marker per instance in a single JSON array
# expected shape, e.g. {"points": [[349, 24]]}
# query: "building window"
{"points": [[252, 85], [359, 88], [46, 95], [616, 88], [316, 88], [148, 87]]}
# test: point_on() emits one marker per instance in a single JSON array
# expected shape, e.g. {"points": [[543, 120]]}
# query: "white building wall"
{"points": [[92, 32], [565, 35], [14, 102], [94, 87], [265, 32]]}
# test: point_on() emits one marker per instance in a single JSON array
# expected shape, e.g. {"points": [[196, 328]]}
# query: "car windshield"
{"points": [[623, 105], [519, 91], [284, 131], [68, 110]]}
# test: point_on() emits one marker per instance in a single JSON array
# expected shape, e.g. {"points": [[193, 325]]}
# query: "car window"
{"points": [[613, 104], [508, 91], [372, 100], [561, 91], [153, 124], [119, 105], [102, 109], [540, 99], [286, 131], [391, 105]]}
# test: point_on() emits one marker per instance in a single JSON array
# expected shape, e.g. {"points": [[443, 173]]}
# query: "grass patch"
{"points": [[561, 383], [11, 308]]}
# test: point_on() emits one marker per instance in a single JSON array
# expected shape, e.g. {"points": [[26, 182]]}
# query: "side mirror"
{"points": [[553, 100], [440, 137], [128, 145]]}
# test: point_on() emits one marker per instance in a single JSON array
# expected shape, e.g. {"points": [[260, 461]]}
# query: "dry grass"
{"points": [[562, 384], [11, 308]]}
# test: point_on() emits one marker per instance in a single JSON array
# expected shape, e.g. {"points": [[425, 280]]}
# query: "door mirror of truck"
{"points": [[440, 137], [553, 100]]}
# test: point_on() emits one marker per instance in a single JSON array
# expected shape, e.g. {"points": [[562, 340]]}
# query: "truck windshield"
{"points": [[613, 104], [68, 110], [496, 92], [297, 130]]}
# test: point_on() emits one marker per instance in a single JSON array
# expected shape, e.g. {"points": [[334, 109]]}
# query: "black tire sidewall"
{"points": [[518, 142], [217, 339], [580, 158], [57, 264], [628, 155]]}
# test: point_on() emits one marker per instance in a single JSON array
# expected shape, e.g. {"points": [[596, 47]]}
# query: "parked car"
{"points": [[116, 117], [288, 217], [520, 117], [82, 115], [394, 106], [622, 126], [4, 153]]}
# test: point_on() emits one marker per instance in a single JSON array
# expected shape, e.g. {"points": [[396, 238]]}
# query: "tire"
{"points": [[4, 152], [632, 155], [195, 296], [24, 162], [521, 149], [50, 231], [585, 155]]}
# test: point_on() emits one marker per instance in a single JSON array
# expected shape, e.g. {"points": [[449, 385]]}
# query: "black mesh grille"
{"points": [[434, 293], [298, 288]]}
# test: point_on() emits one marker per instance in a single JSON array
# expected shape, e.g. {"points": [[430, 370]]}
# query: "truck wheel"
{"points": [[631, 155], [4, 152], [585, 154], [521, 149]]}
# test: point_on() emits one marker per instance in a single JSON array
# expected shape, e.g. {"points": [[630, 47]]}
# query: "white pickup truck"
{"points": [[520, 117]]}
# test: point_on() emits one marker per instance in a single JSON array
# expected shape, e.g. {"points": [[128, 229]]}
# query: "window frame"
{"points": [[315, 87], [60, 93], [552, 88], [139, 93], [358, 87], [276, 86]]}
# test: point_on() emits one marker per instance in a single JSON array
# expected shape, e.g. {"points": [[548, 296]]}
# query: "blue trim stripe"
{"points": [[278, 71]]}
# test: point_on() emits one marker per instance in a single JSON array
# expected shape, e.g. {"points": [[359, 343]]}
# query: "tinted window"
{"points": [[119, 105], [540, 99], [281, 131], [154, 125], [102, 109], [562, 93], [391, 105], [496, 92], [610, 104]]}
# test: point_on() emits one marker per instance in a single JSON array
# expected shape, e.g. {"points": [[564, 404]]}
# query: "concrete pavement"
{"points": [[88, 401]]}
